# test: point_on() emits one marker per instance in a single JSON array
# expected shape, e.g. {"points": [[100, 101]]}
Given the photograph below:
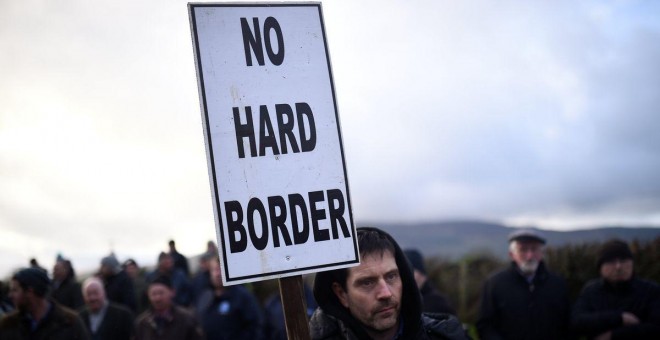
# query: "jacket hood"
{"points": [[411, 304]]}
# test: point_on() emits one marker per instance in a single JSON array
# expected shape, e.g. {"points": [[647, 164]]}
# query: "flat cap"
{"points": [[526, 235]]}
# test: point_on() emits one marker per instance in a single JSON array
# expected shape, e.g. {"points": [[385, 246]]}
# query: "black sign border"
{"points": [[207, 132]]}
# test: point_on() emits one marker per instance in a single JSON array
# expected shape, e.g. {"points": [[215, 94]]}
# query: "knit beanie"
{"points": [[416, 260], [112, 262], [35, 278], [612, 250]]}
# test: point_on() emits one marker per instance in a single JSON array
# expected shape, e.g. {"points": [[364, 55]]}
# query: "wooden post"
{"points": [[295, 307]]}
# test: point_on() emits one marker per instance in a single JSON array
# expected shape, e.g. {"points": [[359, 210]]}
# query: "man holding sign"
{"points": [[274, 148], [378, 299]]}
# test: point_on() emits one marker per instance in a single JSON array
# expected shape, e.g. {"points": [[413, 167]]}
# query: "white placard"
{"points": [[273, 140]]}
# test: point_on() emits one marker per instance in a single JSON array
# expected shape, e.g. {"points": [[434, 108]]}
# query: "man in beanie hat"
{"points": [[377, 299], [164, 320], [118, 285], [180, 282], [617, 305], [524, 301], [432, 300], [37, 317]]}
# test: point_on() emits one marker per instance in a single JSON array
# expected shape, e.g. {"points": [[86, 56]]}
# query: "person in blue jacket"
{"points": [[228, 313]]}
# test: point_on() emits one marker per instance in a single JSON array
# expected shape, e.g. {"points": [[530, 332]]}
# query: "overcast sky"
{"points": [[526, 113]]}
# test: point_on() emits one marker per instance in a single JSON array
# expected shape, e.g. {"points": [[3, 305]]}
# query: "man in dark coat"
{"points": [[118, 285], [228, 313], [138, 278], [164, 320], [202, 279], [618, 305], [378, 299], [180, 281], [432, 300], [525, 301], [66, 290], [5, 303], [180, 261], [35, 317], [104, 320]]}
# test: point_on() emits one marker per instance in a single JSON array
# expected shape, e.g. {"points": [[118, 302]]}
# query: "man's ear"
{"points": [[341, 294]]}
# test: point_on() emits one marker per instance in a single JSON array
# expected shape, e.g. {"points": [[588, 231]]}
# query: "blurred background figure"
{"points": [[228, 312], [5, 303], [202, 279], [35, 264], [618, 305], [118, 285], [103, 319], [432, 300], [211, 247], [37, 317], [177, 277], [65, 289], [165, 320], [525, 301], [274, 326], [139, 284], [180, 261]]}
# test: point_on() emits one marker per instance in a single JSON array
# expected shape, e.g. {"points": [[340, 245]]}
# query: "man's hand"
{"points": [[629, 319]]}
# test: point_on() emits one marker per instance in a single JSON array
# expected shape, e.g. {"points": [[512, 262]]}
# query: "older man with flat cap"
{"points": [[524, 301], [36, 317]]}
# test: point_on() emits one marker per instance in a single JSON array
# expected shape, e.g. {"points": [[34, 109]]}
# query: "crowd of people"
{"points": [[387, 296], [124, 301]]}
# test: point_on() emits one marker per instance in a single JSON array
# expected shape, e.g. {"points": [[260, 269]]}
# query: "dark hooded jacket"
{"points": [[513, 308], [68, 293], [599, 307], [333, 321], [59, 323]]}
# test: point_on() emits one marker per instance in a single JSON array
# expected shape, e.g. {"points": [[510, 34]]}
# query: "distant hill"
{"points": [[459, 238]]}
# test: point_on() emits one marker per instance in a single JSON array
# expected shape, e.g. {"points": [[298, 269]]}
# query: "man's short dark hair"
{"points": [[163, 280], [164, 255], [371, 242], [129, 262]]}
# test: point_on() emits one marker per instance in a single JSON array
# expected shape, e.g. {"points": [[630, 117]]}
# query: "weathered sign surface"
{"points": [[273, 140]]}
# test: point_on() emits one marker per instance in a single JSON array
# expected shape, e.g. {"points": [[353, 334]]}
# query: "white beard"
{"points": [[529, 267]]}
